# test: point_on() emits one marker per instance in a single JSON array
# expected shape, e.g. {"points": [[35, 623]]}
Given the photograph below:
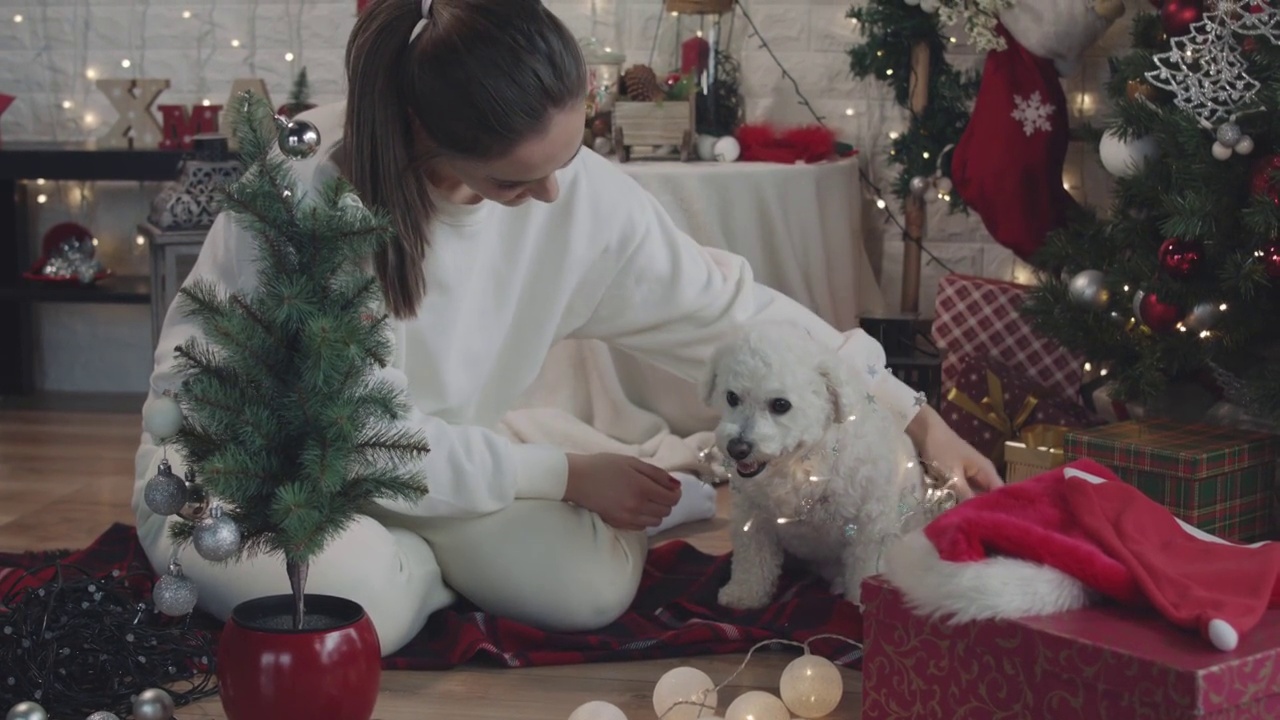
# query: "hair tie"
{"points": [[426, 8]]}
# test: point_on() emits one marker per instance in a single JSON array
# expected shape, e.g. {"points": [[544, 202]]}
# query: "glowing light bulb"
{"points": [[140, 239], [206, 102], [675, 14], [1204, 334], [42, 198], [888, 72], [1223, 307], [235, 43], [1126, 288], [746, 527], [952, 39], [288, 57], [1182, 328], [39, 181], [66, 105], [91, 73], [699, 34], [848, 111], [925, 154], [879, 53], [17, 18], [880, 203], [894, 135], [1088, 367], [811, 686], [95, 242], [1103, 372], [125, 63], [683, 685], [186, 14], [90, 119]]}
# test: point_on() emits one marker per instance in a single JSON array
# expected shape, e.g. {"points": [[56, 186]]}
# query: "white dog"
{"points": [[820, 471]]}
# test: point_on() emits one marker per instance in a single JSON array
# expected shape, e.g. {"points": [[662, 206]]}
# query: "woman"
{"points": [[464, 120]]}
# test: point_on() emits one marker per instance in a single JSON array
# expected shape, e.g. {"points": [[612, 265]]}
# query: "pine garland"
{"points": [[891, 28], [1184, 193]]}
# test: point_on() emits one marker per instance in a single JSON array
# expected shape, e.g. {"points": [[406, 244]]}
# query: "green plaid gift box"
{"points": [[1220, 480]]}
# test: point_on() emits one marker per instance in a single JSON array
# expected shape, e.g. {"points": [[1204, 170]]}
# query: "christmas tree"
{"points": [[286, 425], [1180, 281], [299, 96]]}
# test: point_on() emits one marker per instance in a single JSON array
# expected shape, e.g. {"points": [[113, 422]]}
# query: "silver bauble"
{"points": [[103, 715], [1229, 134], [26, 710], [1088, 289], [174, 593], [299, 139], [919, 185], [165, 493], [1203, 316], [153, 704], [217, 537], [162, 418]]}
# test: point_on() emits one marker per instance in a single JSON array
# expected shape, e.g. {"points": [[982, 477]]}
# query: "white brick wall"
{"points": [[44, 59]]}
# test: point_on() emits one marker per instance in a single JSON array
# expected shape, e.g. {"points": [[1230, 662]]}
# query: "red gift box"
{"points": [[981, 318], [1098, 663]]}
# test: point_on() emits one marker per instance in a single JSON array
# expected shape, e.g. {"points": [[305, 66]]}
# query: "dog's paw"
{"points": [[743, 596]]}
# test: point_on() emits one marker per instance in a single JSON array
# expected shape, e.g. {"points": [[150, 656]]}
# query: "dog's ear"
{"points": [[707, 388], [840, 387]]}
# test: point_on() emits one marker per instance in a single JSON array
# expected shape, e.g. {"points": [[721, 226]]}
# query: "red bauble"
{"points": [[1177, 16], [1180, 258], [1270, 259], [1158, 315], [1265, 179], [1249, 45]]}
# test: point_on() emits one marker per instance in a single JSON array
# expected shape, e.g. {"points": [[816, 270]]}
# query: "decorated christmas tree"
{"points": [[1180, 281], [286, 427]]}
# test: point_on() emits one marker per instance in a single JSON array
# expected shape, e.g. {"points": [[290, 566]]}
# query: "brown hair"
{"points": [[479, 78]]}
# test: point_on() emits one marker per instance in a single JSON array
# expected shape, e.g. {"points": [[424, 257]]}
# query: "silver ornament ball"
{"points": [[26, 710], [153, 704], [299, 139], [103, 715], [1229, 134], [217, 537], [1245, 146], [174, 593], [162, 418], [165, 493], [919, 185], [1204, 316], [1088, 289]]}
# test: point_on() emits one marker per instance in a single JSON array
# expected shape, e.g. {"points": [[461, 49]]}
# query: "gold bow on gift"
{"points": [[1044, 437], [991, 410]]}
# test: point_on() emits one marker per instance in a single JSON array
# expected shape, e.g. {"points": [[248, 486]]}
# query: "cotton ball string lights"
{"points": [[757, 705], [811, 686], [598, 710], [684, 685]]}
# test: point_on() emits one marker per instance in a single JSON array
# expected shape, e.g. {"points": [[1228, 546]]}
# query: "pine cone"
{"points": [[642, 84]]}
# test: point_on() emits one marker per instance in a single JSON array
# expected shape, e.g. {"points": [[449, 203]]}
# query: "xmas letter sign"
{"points": [[136, 127], [180, 128]]}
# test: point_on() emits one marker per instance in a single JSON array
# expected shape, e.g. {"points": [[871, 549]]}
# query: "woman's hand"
{"points": [[626, 492], [938, 443]]}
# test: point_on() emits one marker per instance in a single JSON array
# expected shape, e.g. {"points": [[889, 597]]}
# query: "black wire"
{"points": [[79, 644]]}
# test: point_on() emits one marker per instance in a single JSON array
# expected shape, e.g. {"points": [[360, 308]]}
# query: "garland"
{"points": [[891, 28]]}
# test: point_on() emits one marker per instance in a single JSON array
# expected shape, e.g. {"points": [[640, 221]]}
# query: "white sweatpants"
{"points": [[542, 562]]}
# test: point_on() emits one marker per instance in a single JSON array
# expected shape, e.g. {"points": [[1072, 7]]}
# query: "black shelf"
{"points": [[119, 290], [85, 161]]}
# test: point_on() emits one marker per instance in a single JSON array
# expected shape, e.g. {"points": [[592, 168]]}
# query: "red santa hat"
{"points": [[1008, 164], [1049, 544]]}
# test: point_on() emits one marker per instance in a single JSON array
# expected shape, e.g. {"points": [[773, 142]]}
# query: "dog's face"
{"points": [[778, 391]]}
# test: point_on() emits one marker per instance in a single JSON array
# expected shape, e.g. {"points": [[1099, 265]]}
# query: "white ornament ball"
{"points": [[930, 6], [1222, 152], [153, 704], [943, 184], [1124, 158], [727, 149], [602, 146], [757, 705], [811, 686], [684, 684], [162, 418], [706, 147], [1245, 146], [26, 711], [598, 710]]}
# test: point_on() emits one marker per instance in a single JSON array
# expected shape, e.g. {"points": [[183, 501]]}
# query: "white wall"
{"points": [[45, 57]]}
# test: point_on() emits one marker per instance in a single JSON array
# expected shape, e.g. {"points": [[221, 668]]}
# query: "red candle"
{"points": [[695, 53]]}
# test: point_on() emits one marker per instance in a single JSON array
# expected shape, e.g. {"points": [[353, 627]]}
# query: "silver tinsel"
{"points": [[217, 537], [1088, 289], [26, 710], [73, 259], [174, 594], [165, 493], [153, 704]]}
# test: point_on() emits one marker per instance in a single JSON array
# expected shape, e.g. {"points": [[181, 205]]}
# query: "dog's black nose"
{"points": [[739, 449]]}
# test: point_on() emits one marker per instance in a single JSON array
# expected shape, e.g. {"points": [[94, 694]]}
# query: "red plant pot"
{"points": [[329, 670]]}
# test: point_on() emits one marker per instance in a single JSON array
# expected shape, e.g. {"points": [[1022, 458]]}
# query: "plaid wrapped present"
{"points": [[991, 404], [1220, 480], [981, 318]]}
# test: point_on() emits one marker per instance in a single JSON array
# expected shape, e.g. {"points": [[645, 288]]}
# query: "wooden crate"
{"points": [[699, 7], [654, 125]]}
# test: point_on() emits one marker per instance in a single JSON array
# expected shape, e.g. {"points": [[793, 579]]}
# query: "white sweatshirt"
{"points": [[603, 261]]}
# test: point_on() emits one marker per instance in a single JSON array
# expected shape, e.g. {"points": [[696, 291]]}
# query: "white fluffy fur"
{"points": [[863, 483]]}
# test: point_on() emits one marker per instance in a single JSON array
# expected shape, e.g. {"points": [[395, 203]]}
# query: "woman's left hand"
{"points": [[938, 443]]}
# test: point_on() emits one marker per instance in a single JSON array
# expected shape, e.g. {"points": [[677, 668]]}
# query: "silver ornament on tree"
{"points": [[1088, 289], [298, 139], [103, 715], [217, 537], [162, 418], [919, 185], [1229, 134], [165, 493], [197, 501], [153, 704], [1230, 141], [1204, 316], [26, 710], [174, 594]]}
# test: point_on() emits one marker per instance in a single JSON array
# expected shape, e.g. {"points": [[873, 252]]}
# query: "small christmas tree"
{"points": [[286, 425], [299, 96], [1181, 281]]}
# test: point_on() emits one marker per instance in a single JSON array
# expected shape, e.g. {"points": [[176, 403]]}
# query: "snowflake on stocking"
{"points": [[1033, 112]]}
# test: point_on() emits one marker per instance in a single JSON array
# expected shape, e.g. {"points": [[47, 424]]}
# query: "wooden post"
{"points": [[915, 208]]}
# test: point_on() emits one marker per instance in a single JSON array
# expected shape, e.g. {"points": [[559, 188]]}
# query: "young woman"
{"points": [[464, 120]]}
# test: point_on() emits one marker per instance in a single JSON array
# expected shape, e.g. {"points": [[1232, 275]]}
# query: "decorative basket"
{"points": [[190, 202], [698, 7]]}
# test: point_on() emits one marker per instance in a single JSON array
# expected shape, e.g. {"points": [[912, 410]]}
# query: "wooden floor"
{"points": [[66, 476]]}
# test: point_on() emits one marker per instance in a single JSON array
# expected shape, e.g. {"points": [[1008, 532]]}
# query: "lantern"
{"points": [[604, 69]]}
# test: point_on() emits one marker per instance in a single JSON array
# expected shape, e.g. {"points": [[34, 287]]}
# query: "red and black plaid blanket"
{"points": [[675, 614]]}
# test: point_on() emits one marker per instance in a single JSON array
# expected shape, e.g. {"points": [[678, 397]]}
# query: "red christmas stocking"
{"points": [[1008, 164]]}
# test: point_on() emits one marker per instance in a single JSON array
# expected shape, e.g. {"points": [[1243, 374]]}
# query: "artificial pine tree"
{"points": [[1181, 280], [299, 96], [286, 424]]}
